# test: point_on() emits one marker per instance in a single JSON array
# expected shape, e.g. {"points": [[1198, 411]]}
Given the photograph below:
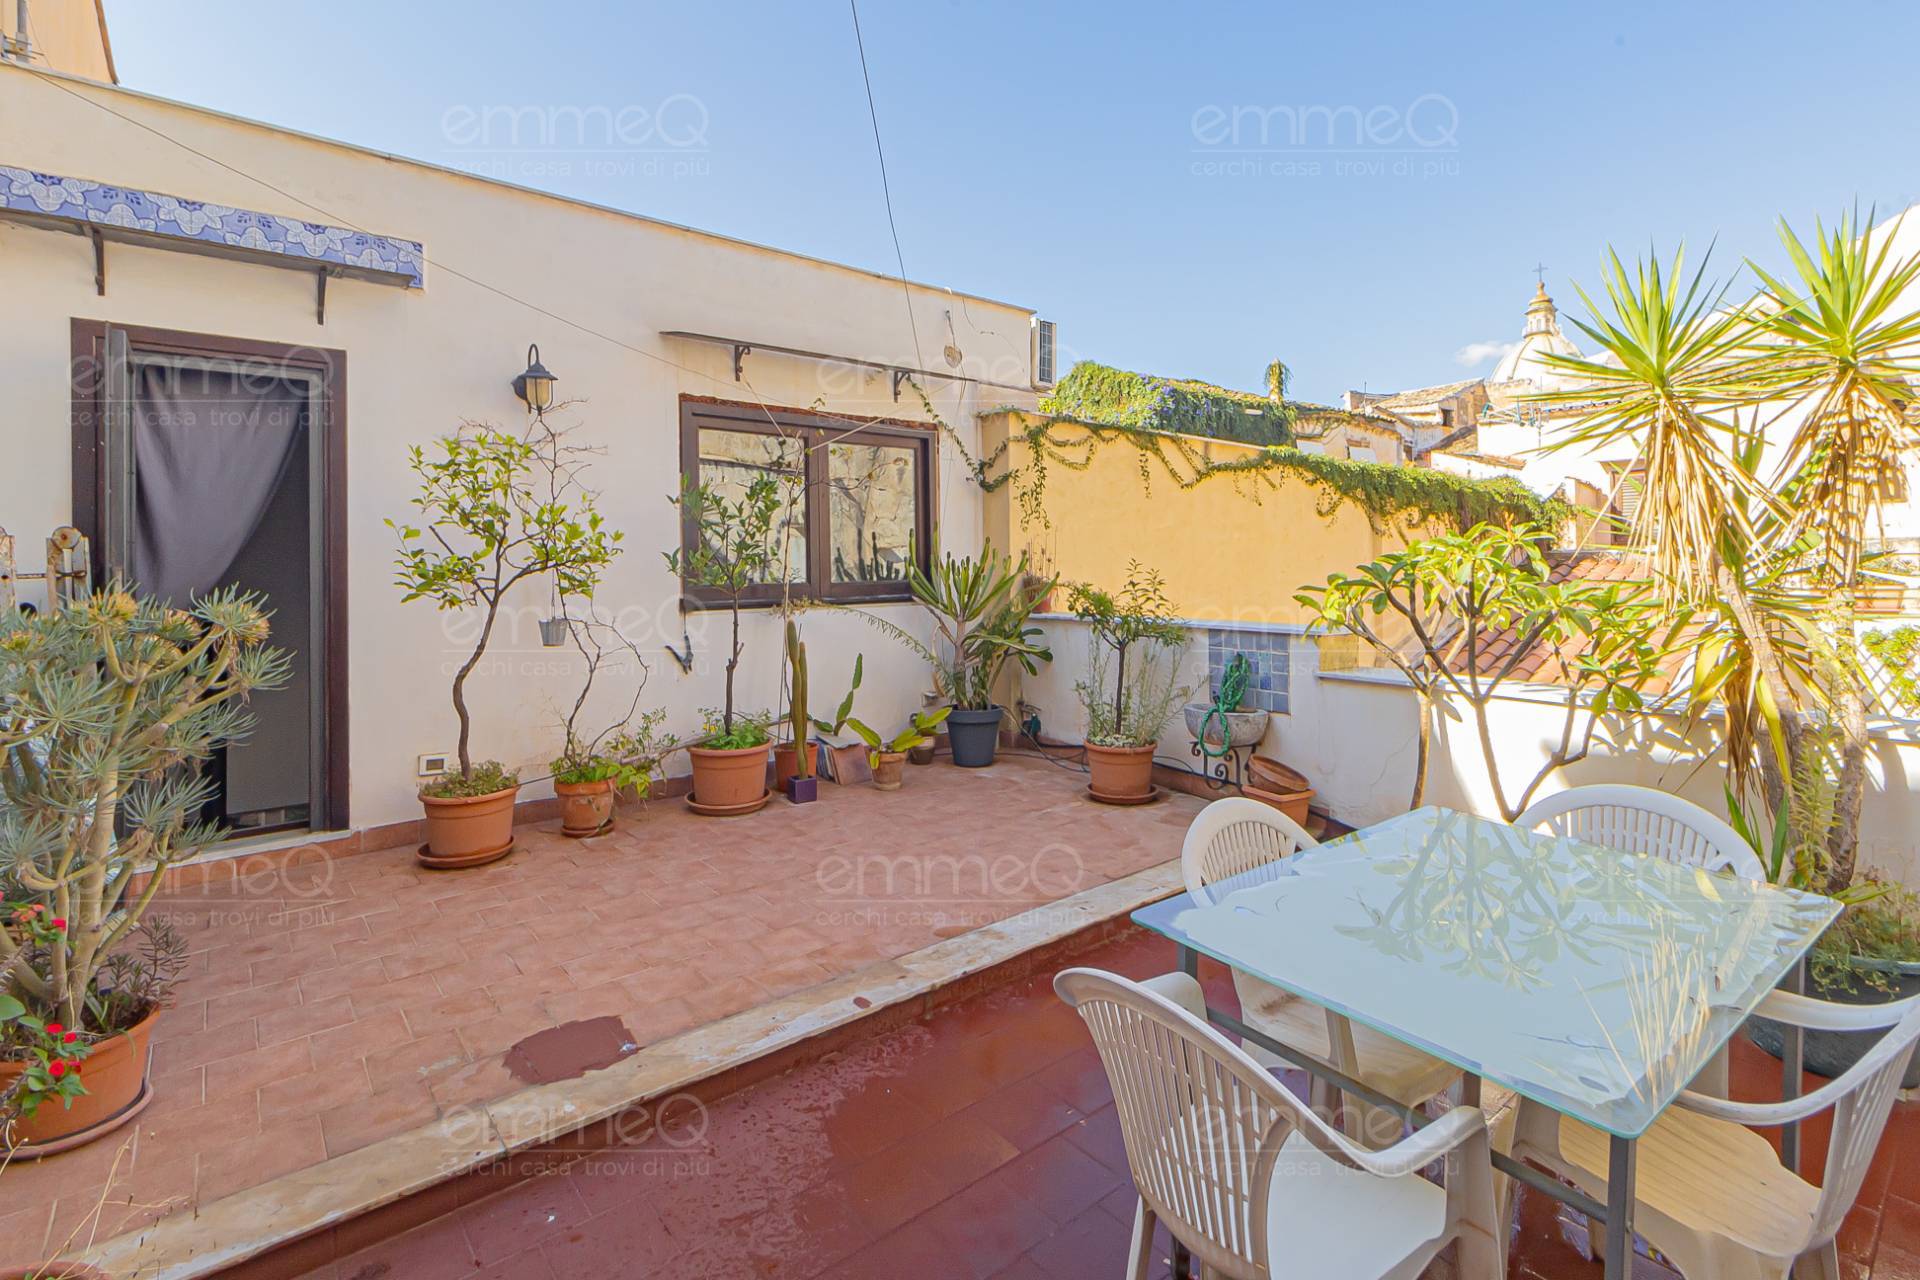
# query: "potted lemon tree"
{"points": [[734, 547], [494, 509], [1134, 645]]}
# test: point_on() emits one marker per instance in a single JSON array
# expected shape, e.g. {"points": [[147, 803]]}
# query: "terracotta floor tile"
{"points": [[521, 1219], [672, 921], [911, 1177], [285, 1146], [333, 1084], [303, 1020], [393, 1110]]}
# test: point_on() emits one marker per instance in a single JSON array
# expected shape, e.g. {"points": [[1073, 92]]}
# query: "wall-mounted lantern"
{"points": [[535, 386]]}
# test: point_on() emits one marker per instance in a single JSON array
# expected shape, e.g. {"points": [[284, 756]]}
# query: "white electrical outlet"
{"points": [[433, 764]]}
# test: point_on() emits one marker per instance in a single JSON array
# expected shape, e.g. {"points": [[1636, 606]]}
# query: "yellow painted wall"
{"points": [[67, 35], [1231, 549]]}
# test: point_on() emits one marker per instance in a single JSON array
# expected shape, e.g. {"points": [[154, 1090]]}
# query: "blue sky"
{"points": [[1359, 189]]}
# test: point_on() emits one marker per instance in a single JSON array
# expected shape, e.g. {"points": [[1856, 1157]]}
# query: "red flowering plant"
{"points": [[110, 707]]}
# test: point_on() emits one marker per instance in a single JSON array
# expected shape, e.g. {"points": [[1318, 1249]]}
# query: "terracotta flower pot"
{"points": [[786, 764], [1121, 775], [1282, 786], [114, 1074], [728, 782], [586, 808], [889, 767], [464, 828]]}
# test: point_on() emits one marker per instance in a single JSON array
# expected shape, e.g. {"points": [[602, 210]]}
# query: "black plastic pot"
{"points": [[974, 736], [1830, 1053]]}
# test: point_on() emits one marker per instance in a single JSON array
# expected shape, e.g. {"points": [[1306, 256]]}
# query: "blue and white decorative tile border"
{"points": [[83, 201]]}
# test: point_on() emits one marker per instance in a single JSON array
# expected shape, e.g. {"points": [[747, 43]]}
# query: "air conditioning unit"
{"points": [[1046, 354]]}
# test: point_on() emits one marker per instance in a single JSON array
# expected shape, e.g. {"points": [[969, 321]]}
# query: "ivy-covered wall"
{"points": [[1096, 392]]}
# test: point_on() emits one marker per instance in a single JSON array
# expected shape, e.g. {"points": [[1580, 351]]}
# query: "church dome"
{"points": [[1542, 337]]}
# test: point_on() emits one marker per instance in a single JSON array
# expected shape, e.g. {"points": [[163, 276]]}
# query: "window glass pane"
{"points": [[732, 460], [874, 507]]}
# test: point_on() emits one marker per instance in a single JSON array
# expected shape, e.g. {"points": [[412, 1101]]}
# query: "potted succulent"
{"points": [[1134, 644], [108, 708], [927, 723], [734, 548], [981, 611], [795, 762], [888, 758], [495, 509]]}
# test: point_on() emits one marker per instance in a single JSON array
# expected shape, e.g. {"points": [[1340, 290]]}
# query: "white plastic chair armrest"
{"points": [[1421, 1147], [1765, 1114], [1827, 1015]]}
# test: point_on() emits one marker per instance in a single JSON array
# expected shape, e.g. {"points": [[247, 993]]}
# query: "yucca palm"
{"points": [[1819, 365]]}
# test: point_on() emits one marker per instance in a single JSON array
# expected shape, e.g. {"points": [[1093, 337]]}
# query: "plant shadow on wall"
{"points": [[109, 709], [1134, 647], [495, 509], [1458, 615]]}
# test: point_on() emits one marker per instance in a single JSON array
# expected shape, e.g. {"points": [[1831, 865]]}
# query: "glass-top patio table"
{"points": [[1592, 981]]}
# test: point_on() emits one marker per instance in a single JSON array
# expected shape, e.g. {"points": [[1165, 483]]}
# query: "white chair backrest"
{"points": [[1860, 1117], [1644, 821], [1233, 836], [1202, 1123]]}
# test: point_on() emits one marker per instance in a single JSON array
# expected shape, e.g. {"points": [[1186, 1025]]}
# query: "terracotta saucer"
{"points": [[35, 1150], [434, 862], [729, 810], [1148, 798]]}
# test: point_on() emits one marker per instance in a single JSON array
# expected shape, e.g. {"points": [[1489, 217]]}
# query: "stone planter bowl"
{"points": [[1244, 728]]}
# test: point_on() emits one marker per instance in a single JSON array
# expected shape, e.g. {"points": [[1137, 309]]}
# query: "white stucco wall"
{"points": [[1352, 735], [420, 361]]}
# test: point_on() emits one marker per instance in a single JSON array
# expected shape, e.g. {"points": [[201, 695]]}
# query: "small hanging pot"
{"points": [[553, 632]]}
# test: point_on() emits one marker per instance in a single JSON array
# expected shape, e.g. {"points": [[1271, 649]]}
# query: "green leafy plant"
{"points": [[109, 709], [494, 510], [919, 732], [734, 549], [980, 611], [1431, 610], [1875, 933], [750, 729], [1898, 652], [844, 712], [1136, 621], [482, 778], [628, 755]]}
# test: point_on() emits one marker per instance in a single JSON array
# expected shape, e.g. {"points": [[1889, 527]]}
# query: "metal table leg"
{"points": [[1792, 1046], [1619, 1247]]}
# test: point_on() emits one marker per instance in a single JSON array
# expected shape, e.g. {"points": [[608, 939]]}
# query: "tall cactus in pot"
{"points": [[797, 721]]}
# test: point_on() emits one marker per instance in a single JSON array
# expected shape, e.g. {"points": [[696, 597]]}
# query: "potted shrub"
{"points": [[592, 769], [734, 548], [588, 776], [981, 611], [495, 509], [1134, 644], [108, 709], [888, 759], [1871, 955]]}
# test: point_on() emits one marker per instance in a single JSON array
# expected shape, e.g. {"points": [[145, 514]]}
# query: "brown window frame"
{"points": [[814, 431]]}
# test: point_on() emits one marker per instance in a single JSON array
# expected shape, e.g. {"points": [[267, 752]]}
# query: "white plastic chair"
{"points": [[1642, 820], [1710, 1193], [1248, 1178], [1238, 836]]}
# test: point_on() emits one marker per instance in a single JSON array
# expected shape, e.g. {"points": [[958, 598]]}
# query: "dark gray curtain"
{"points": [[210, 449]]}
